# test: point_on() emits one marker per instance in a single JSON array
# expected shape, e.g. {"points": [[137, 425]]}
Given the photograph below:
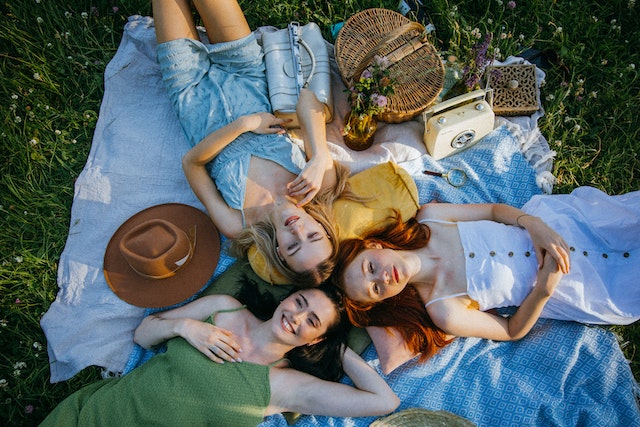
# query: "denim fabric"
{"points": [[210, 86]]}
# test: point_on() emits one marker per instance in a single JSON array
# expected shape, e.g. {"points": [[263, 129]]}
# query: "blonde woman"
{"points": [[256, 184]]}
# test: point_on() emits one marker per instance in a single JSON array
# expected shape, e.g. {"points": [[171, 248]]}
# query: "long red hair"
{"points": [[404, 311]]}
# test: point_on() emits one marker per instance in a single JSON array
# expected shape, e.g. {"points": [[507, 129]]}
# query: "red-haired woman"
{"points": [[464, 260]]}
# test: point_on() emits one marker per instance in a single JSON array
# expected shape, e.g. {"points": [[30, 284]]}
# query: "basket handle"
{"points": [[397, 55]]}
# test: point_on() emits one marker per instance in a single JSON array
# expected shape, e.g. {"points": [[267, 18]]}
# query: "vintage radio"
{"points": [[457, 123]]}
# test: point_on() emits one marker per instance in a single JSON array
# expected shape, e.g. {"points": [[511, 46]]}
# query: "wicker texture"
{"points": [[419, 417], [515, 89], [416, 66]]}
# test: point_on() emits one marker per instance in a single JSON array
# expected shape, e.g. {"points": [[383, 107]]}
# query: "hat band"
{"points": [[179, 263]]}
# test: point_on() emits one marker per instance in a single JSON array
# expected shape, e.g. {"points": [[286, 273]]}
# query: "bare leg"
{"points": [[223, 19], [173, 20]]}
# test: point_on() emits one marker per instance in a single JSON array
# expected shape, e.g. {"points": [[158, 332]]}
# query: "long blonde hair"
{"points": [[263, 236]]}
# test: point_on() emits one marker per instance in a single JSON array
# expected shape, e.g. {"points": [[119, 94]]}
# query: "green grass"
{"points": [[52, 60]]}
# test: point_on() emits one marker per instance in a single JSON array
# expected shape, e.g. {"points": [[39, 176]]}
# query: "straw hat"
{"points": [[162, 255], [419, 417]]}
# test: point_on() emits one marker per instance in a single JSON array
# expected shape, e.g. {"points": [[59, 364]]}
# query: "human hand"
{"points": [[216, 343], [549, 275], [264, 123], [307, 184], [547, 241]]}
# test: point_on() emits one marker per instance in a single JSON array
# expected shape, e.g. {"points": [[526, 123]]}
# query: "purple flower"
{"points": [[366, 74], [511, 4], [379, 100], [28, 409]]}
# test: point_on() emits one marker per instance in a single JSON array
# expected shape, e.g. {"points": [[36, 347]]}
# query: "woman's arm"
{"points": [[188, 322], [545, 239], [296, 391], [228, 220], [319, 171], [454, 317]]}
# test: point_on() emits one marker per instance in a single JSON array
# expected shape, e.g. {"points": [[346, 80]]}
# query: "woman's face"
{"points": [[302, 241], [304, 317], [376, 274]]}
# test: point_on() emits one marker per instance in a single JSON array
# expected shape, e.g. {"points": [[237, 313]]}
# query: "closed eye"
{"points": [[293, 248], [314, 236]]}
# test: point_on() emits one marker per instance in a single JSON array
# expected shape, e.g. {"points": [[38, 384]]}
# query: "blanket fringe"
{"points": [[535, 149]]}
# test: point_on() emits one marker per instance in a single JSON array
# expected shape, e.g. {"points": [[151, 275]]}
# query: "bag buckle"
{"points": [[294, 38]]}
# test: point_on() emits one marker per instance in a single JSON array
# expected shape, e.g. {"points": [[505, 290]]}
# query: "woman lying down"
{"points": [[192, 384]]}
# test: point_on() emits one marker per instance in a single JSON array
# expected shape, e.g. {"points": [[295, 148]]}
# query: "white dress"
{"points": [[603, 286]]}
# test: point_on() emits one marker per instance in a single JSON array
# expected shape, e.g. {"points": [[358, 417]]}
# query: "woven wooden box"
{"points": [[515, 89], [416, 65]]}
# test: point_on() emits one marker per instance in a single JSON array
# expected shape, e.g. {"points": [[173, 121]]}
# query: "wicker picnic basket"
{"points": [[416, 66]]}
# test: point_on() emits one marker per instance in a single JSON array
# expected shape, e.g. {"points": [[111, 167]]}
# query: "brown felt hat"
{"points": [[162, 255]]}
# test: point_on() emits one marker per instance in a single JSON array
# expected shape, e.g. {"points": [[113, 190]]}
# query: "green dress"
{"points": [[178, 387]]}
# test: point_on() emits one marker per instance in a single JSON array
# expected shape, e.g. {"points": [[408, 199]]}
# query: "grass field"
{"points": [[52, 60]]}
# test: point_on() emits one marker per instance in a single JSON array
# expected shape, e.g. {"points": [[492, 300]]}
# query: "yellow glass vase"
{"points": [[359, 130]]}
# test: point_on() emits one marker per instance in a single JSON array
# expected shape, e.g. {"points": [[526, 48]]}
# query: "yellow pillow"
{"points": [[382, 188]]}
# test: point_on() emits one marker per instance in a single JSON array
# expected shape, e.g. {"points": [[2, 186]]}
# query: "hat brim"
{"points": [[154, 293]]}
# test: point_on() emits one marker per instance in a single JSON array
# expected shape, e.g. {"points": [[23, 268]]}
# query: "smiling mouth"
{"points": [[286, 325], [291, 220]]}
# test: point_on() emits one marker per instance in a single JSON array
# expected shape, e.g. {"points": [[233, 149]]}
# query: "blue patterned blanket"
{"points": [[561, 374]]}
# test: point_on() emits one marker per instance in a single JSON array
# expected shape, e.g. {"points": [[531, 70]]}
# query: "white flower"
{"points": [[14, 96], [67, 14], [18, 259], [84, 15], [39, 20], [576, 128], [37, 76], [33, 142]]}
